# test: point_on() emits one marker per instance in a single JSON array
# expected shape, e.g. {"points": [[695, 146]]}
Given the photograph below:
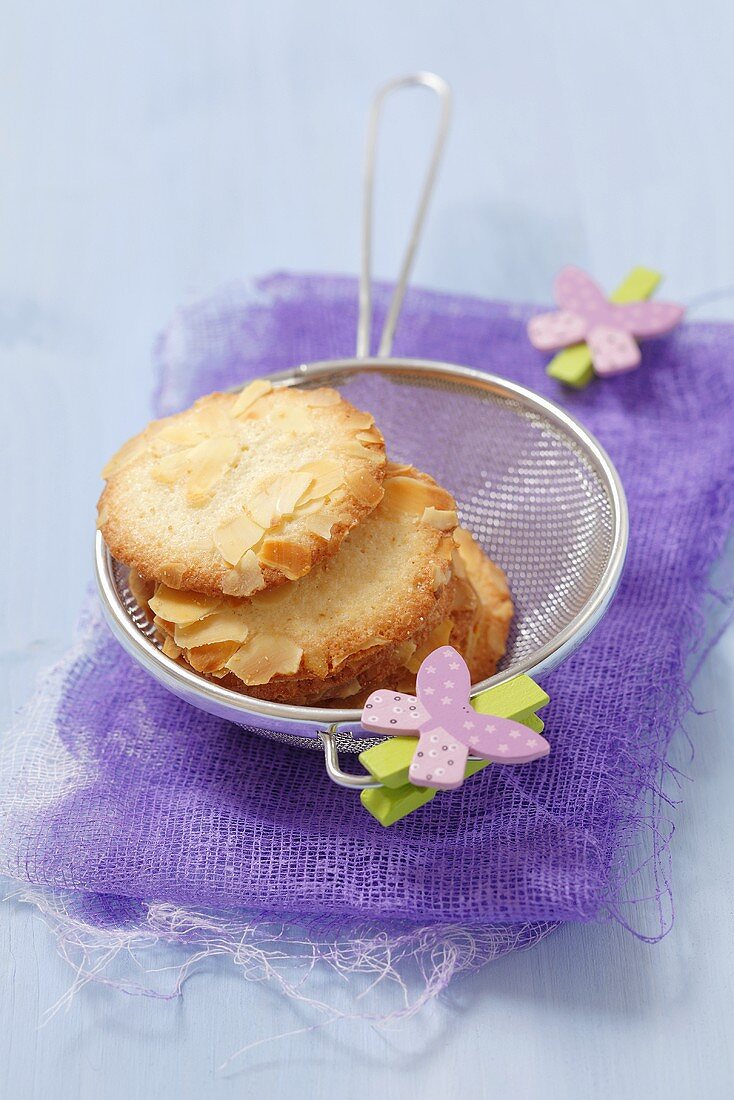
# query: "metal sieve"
{"points": [[534, 487]]}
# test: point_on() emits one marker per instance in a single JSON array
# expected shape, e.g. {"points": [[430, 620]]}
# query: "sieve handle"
{"points": [[334, 771], [364, 326]]}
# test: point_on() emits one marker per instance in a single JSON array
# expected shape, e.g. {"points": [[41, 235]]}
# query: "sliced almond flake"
{"points": [[327, 477], [170, 649], [173, 467], [441, 577], [320, 466], [225, 625], [172, 573], [408, 494], [443, 519], [261, 507], [280, 499], [396, 469], [439, 636], [210, 461], [310, 507], [316, 664], [163, 625], [249, 395], [321, 398], [140, 589], [372, 435], [361, 421], [177, 606], [356, 450], [321, 524], [245, 578], [289, 557], [237, 536], [467, 548], [405, 652], [375, 641], [183, 433], [291, 487], [265, 656], [365, 487], [211, 658], [212, 418]]}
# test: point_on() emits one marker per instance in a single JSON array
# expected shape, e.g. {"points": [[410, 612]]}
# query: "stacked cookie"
{"points": [[280, 553]]}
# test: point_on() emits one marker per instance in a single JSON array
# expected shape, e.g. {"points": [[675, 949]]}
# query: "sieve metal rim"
{"points": [[297, 720]]}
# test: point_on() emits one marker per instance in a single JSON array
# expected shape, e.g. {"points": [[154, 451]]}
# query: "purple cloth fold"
{"points": [[114, 787]]}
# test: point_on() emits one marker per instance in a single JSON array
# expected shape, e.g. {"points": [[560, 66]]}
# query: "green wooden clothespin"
{"points": [[389, 762], [573, 366]]}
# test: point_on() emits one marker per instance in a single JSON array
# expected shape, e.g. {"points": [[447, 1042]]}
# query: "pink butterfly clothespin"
{"points": [[608, 328], [448, 727]]}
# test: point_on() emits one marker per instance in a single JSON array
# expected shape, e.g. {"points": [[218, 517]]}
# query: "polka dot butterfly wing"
{"points": [[612, 350], [647, 318], [392, 712], [556, 330], [577, 292], [582, 304], [503, 741], [443, 684], [613, 347]]}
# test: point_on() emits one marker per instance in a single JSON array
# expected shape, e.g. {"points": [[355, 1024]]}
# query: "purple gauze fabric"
{"points": [[117, 790]]}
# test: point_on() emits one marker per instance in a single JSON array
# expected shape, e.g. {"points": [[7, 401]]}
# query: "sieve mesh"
{"points": [[527, 489], [524, 488]]}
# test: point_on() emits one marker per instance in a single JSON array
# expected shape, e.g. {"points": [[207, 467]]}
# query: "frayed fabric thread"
{"points": [[418, 963]]}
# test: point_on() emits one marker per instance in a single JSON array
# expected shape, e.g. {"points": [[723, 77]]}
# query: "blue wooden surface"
{"points": [[154, 151]]}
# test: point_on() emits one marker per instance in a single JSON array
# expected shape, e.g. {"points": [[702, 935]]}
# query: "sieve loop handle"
{"points": [[364, 326], [333, 768]]}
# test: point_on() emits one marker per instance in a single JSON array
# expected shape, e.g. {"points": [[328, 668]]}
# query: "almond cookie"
{"points": [[379, 590], [242, 492]]}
